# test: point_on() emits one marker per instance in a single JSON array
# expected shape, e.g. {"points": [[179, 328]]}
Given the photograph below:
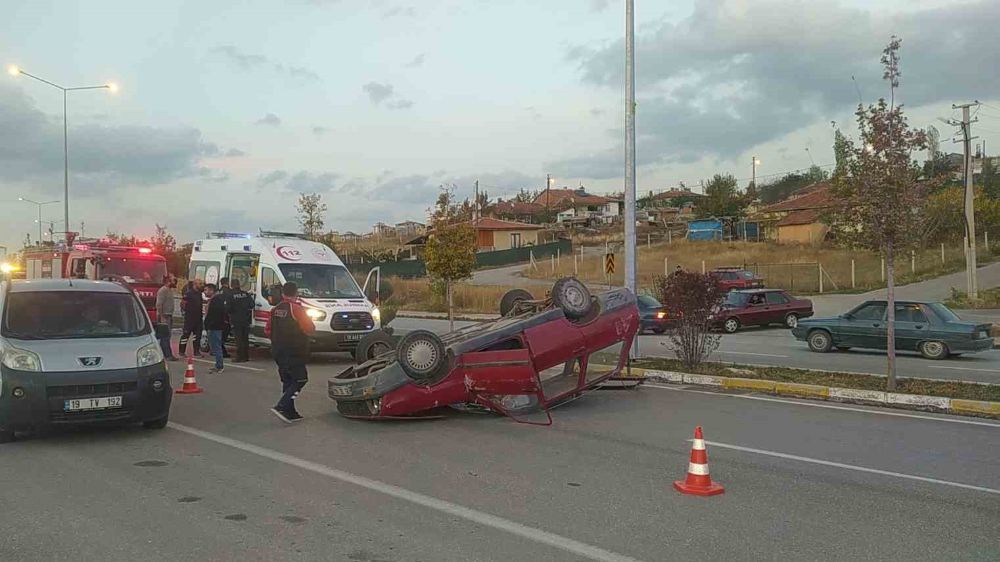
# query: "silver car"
{"points": [[76, 351]]}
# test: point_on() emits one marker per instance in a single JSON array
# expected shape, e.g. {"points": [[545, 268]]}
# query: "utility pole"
{"points": [[548, 187], [972, 284], [475, 203], [630, 242]]}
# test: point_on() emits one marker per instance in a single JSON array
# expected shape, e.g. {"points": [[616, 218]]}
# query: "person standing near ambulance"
{"points": [[241, 307], [289, 329]]}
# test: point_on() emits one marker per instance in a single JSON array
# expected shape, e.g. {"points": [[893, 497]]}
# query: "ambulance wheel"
{"points": [[373, 345], [512, 298], [573, 297], [422, 356]]}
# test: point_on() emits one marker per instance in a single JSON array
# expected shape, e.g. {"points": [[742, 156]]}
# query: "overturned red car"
{"points": [[536, 356]]}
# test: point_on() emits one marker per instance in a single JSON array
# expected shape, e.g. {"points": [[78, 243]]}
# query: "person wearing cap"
{"points": [[289, 329]]}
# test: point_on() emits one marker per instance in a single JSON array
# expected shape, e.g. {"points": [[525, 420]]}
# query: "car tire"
{"points": [[422, 356], [573, 297], [6, 436], [156, 424], [819, 341], [512, 298], [934, 349], [791, 320], [372, 345], [731, 325]]}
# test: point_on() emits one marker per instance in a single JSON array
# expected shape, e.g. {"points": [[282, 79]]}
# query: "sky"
{"points": [[228, 110]]}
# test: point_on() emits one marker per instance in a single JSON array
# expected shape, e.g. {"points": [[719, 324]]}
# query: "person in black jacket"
{"points": [[289, 329], [241, 305], [215, 322], [191, 303], [227, 292]]}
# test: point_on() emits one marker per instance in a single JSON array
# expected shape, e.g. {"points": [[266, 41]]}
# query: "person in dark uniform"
{"points": [[289, 329], [241, 305], [226, 293], [215, 322], [191, 304]]}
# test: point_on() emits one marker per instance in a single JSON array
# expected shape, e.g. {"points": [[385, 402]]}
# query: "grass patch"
{"points": [[990, 298], [786, 266], [924, 387], [419, 294]]}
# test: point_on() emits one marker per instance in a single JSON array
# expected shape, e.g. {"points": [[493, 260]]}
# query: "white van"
{"points": [[341, 311]]}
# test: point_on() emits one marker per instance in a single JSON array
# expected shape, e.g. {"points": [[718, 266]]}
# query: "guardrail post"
{"points": [[819, 268], [913, 262], [883, 270], [853, 284], [942, 252], [576, 267]]}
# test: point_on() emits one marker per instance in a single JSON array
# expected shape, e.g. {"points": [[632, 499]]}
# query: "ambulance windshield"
{"points": [[320, 281]]}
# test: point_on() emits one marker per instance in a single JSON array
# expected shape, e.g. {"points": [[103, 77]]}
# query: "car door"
{"points": [[777, 306], [556, 350], [262, 308], [865, 327], [911, 326], [756, 311]]}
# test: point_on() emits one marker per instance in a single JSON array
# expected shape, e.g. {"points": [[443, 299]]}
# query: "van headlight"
{"points": [[149, 355], [377, 315], [20, 359], [315, 314]]}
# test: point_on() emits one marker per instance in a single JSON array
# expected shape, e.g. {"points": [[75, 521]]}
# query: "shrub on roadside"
{"points": [[691, 298]]}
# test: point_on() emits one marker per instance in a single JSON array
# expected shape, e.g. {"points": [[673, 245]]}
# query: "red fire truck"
{"points": [[136, 266]]}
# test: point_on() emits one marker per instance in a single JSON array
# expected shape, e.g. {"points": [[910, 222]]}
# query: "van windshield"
{"points": [[133, 270], [321, 281], [73, 314]]}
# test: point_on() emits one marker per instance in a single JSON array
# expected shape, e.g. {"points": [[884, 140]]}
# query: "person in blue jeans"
{"points": [[215, 323]]}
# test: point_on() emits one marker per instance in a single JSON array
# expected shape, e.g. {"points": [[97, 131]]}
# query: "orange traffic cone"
{"points": [[190, 385], [698, 482]]}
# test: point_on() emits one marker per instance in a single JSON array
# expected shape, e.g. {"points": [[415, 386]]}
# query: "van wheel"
{"points": [[373, 345], [6, 436], [512, 298], [934, 350], [156, 424], [573, 297]]}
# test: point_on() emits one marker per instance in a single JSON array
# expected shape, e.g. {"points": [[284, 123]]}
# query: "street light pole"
{"points": [[630, 240], [753, 171], [39, 221], [111, 87]]}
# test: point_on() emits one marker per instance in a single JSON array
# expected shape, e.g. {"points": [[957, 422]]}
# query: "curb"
{"points": [[876, 397]]}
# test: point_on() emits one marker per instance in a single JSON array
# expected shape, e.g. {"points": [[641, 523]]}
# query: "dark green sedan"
{"points": [[930, 328]]}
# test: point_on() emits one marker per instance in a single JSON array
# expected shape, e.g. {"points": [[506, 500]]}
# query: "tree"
{"points": [[310, 209], [840, 152], [990, 179], [691, 299], [450, 256], [880, 199], [790, 183], [721, 198]]}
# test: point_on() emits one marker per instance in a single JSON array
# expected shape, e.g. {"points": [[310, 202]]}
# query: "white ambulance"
{"points": [[332, 298]]}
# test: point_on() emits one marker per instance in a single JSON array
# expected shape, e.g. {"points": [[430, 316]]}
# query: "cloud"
{"points": [[319, 130], [408, 11], [101, 155], [599, 5], [400, 104], [728, 78], [416, 61], [272, 177], [377, 92], [301, 181], [271, 120], [250, 61], [234, 153]]}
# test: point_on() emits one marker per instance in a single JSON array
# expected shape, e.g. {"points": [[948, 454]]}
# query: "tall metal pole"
{"points": [[65, 169], [630, 241], [970, 215]]}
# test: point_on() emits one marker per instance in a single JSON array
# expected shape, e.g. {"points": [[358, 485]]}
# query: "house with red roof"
{"points": [[797, 219], [578, 206], [497, 234]]}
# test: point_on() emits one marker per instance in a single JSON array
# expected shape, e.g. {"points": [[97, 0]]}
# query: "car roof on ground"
{"points": [[50, 285]]}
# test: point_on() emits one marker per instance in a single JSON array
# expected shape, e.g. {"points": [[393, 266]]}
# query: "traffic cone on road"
{"points": [[190, 384], [698, 481]]}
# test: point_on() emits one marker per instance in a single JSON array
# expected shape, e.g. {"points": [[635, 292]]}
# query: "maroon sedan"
{"points": [[760, 307]]}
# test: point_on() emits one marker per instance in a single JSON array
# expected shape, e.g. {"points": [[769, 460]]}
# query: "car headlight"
{"points": [[377, 315], [661, 315], [149, 355], [20, 359], [315, 314]]}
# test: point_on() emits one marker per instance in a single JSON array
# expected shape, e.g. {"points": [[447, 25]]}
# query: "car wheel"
{"points": [[373, 345], [6, 436], [731, 325], [791, 320], [512, 298], [156, 424], [933, 350], [422, 355], [820, 341], [573, 297]]}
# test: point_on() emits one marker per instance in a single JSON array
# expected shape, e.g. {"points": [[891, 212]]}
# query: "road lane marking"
{"points": [[233, 365], [969, 369], [827, 406], [754, 354], [852, 467], [485, 519]]}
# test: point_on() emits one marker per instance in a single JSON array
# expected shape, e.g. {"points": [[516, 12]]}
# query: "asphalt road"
{"points": [[776, 346], [228, 481]]}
